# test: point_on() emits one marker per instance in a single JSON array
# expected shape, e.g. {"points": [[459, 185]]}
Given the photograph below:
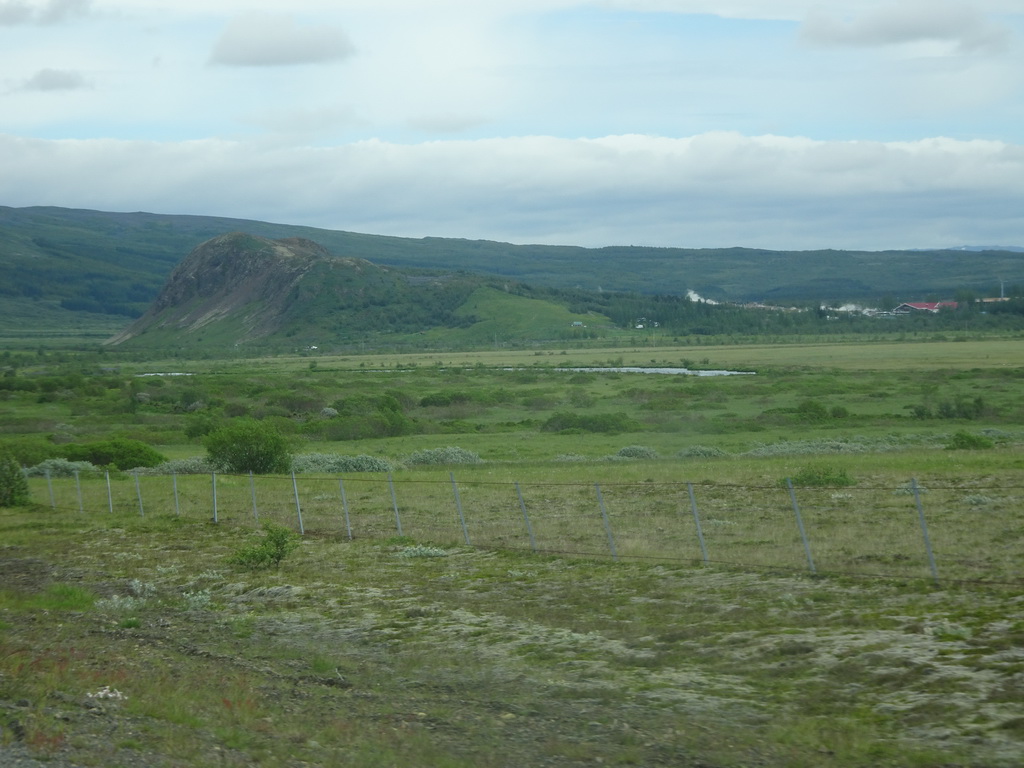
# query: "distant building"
{"points": [[910, 307]]}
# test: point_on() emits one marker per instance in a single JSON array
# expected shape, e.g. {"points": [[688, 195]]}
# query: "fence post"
{"points": [[526, 517], [298, 507], [49, 487], [344, 506], [800, 525], [696, 520], [177, 503], [252, 492], [607, 524], [78, 486], [213, 484], [394, 503], [458, 506], [924, 529], [138, 493], [110, 495]]}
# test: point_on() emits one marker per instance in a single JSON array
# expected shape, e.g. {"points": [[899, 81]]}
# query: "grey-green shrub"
{"points": [[60, 468], [336, 464], [637, 452], [442, 456], [701, 452]]}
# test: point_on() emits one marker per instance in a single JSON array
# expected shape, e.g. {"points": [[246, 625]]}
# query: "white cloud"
{"points": [[15, 12], [56, 80], [258, 39], [962, 26], [708, 190]]}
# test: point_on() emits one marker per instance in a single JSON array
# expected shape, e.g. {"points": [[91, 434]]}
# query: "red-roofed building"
{"points": [[923, 306]]}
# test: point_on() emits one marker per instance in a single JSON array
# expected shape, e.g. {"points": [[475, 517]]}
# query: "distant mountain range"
{"points": [[81, 269]]}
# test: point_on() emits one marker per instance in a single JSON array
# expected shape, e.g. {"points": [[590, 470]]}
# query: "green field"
{"points": [[593, 629]]}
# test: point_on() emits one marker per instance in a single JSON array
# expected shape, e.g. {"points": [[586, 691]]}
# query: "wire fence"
{"points": [[945, 534]]}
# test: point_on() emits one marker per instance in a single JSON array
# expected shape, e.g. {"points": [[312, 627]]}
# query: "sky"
{"points": [[783, 124]]}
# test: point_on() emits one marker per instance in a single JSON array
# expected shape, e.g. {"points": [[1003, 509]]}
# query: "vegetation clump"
{"points": [[963, 440], [637, 452], [60, 468], [822, 476], [13, 484], [119, 452], [336, 464], [446, 456], [277, 543], [247, 445]]}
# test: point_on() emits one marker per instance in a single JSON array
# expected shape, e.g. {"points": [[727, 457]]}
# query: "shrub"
{"points": [[60, 468], [443, 456], [247, 445], [335, 464], [701, 452], [822, 476], [637, 452], [196, 465], [598, 422], [13, 484], [277, 543], [966, 441], [119, 452]]}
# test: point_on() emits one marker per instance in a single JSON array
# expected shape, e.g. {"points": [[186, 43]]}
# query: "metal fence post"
{"points": [[344, 506], [458, 506], [696, 520], [526, 517], [394, 503], [138, 493], [174, 485], [924, 530], [213, 483], [800, 525], [298, 507], [110, 495], [607, 524]]}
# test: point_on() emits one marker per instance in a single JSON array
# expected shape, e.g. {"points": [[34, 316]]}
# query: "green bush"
{"points": [[822, 476], [597, 422], [13, 485], [247, 445], [966, 441], [119, 452], [443, 456], [277, 543], [701, 452]]}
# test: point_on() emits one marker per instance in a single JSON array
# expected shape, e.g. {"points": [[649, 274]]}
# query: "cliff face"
{"points": [[249, 283]]}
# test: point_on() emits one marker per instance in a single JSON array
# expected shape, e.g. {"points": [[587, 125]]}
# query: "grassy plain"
{"points": [[411, 650]]}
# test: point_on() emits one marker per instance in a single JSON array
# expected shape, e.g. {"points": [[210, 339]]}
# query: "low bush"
{"points": [[277, 543], [442, 456], [13, 485], [119, 452], [596, 422], [701, 452], [60, 468], [247, 445], [821, 476], [335, 464], [637, 452], [967, 441]]}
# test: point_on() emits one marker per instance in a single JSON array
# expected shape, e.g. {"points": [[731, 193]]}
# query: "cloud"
{"points": [[961, 26], [262, 40], [15, 12], [709, 190], [55, 80]]}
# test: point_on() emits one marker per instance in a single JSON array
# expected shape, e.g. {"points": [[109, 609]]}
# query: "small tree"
{"points": [[13, 485], [247, 445]]}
